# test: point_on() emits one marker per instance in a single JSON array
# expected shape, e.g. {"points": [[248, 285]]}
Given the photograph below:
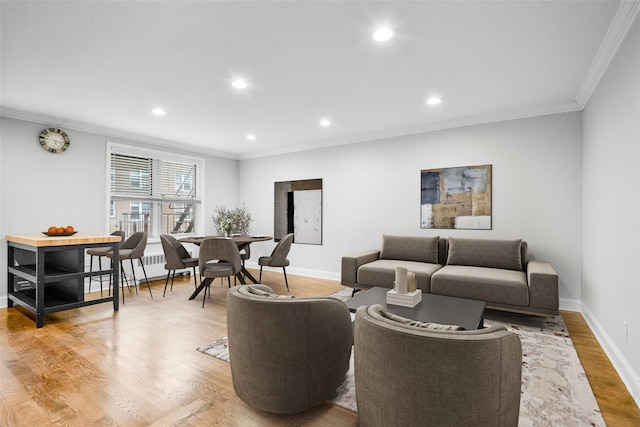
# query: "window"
{"points": [[153, 191]]}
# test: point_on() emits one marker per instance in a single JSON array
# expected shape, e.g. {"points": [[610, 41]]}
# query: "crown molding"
{"points": [[620, 25], [108, 132], [425, 128]]}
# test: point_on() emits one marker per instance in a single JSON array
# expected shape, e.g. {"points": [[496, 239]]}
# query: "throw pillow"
{"points": [[258, 292], [418, 324], [503, 254], [410, 248]]}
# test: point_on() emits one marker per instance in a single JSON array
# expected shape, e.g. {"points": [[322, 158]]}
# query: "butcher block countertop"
{"points": [[40, 239]]}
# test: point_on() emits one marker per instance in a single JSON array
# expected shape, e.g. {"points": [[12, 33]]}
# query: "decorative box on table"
{"points": [[408, 299]]}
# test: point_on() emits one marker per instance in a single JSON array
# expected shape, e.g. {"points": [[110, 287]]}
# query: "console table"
{"points": [[46, 273]]}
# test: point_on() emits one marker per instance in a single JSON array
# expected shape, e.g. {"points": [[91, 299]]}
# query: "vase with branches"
{"points": [[229, 221]]}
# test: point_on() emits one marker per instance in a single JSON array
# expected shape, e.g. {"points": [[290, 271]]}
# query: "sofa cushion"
{"points": [[504, 254], [419, 324], [482, 283], [383, 273], [410, 248]]}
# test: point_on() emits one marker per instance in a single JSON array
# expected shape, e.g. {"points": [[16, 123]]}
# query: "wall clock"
{"points": [[54, 140]]}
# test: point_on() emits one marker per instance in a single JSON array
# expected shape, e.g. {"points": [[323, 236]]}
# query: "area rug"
{"points": [[555, 390]]}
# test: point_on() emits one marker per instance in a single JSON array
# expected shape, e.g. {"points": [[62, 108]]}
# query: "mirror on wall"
{"points": [[298, 210]]}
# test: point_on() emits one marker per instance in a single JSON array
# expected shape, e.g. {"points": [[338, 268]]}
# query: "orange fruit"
{"points": [[59, 230], [69, 229], [51, 230]]}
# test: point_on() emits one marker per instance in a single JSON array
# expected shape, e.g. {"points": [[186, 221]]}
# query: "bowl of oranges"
{"points": [[60, 231]]}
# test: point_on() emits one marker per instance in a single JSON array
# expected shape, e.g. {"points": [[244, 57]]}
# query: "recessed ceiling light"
{"points": [[382, 34], [251, 137], [158, 112], [434, 100], [239, 84], [325, 123]]}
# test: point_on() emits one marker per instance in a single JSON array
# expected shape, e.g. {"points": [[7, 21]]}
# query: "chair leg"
{"points": [[166, 282], [204, 297], [91, 271], [229, 280], [173, 276], [285, 278], [194, 278], [147, 280], [100, 267], [133, 272], [260, 279]]}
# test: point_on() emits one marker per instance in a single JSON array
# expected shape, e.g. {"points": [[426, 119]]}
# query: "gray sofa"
{"points": [[495, 271], [408, 374], [287, 354]]}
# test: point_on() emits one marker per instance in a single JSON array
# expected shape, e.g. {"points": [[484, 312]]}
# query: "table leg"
{"points": [[248, 275], [207, 281]]}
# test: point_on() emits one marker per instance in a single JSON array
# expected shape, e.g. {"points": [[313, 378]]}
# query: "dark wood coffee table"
{"points": [[434, 308]]}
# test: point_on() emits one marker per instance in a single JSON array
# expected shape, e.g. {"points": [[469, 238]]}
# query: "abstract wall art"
{"points": [[458, 197], [298, 210]]}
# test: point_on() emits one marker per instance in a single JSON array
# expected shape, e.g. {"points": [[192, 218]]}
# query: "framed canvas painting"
{"points": [[458, 197], [298, 210]]}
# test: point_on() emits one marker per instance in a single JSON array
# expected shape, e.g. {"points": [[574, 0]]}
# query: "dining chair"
{"points": [[132, 248], [177, 258], [278, 257], [225, 252], [100, 252]]}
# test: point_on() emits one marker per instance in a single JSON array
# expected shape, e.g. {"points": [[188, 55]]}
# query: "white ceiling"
{"points": [[103, 66]]}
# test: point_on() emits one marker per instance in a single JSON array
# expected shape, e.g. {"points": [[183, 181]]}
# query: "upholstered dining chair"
{"points": [[101, 252], [132, 248], [177, 258], [219, 257], [278, 257], [287, 354], [410, 373]]}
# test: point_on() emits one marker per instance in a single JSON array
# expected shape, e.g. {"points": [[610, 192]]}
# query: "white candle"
{"points": [[401, 280]]}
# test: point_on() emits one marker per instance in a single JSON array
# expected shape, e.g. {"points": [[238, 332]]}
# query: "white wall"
{"points": [[374, 188], [611, 211], [39, 189]]}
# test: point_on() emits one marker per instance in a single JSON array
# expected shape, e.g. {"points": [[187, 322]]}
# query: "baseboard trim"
{"points": [[570, 304], [299, 271], [629, 376]]}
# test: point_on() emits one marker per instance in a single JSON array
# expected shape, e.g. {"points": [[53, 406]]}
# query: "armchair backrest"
{"points": [[220, 248], [407, 375], [137, 242], [174, 252], [280, 252]]}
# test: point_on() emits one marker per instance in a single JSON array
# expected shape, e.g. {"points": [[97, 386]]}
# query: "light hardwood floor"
{"points": [[139, 366]]}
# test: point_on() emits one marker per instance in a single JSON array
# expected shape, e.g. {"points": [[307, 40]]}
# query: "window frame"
{"points": [[157, 201]]}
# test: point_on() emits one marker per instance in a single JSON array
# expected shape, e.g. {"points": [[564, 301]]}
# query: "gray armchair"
{"points": [[132, 248], [287, 354], [278, 257], [415, 376], [219, 257], [177, 258]]}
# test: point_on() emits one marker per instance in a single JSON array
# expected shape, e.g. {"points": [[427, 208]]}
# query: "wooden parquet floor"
{"points": [[139, 367]]}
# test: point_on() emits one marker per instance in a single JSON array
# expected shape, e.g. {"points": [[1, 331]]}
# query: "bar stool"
{"points": [[100, 252]]}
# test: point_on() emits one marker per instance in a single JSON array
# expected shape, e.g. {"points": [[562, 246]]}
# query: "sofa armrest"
{"points": [[543, 286], [351, 263]]}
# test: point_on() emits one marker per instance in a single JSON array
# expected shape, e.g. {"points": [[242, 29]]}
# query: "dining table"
{"points": [[243, 241]]}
